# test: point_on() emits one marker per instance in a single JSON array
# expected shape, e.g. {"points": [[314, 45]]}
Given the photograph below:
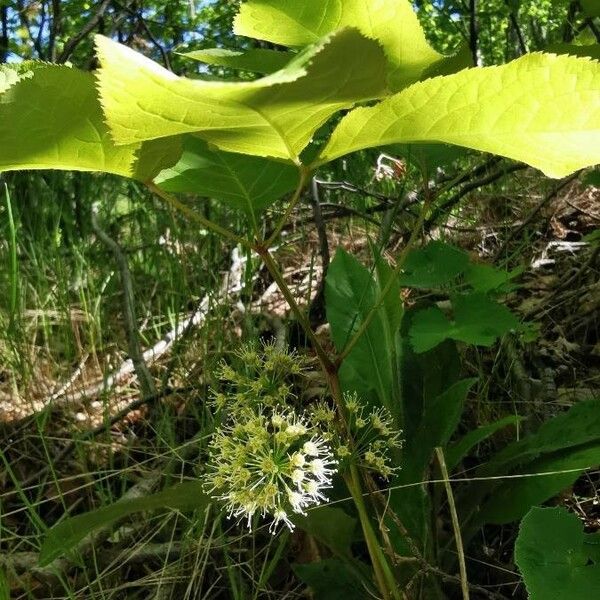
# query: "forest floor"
{"points": [[76, 434]]}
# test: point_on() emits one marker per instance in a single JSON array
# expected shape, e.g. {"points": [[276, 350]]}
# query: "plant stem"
{"points": [[194, 216], [304, 178], [464, 582], [392, 280], [267, 258], [386, 582]]}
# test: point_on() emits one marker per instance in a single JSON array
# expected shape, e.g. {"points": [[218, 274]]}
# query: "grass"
{"points": [[61, 322]]}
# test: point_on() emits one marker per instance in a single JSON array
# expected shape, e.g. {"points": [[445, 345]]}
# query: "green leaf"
{"points": [[331, 526], [456, 452], [592, 178], [579, 425], [439, 421], [434, 265], [513, 498], [429, 157], [477, 320], [65, 535], [590, 7], [246, 183], [393, 23], [591, 50], [274, 116], [5, 592], [332, 579], [555, 557], [51, 119], [486, 278], [541, 109], [258, 60], [350, 294]]}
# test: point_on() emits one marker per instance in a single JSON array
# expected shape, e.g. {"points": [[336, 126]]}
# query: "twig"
{"points": [[533, 214], [583, 212], [129, 312], [316, 312], [469, 187], [73, 42]]}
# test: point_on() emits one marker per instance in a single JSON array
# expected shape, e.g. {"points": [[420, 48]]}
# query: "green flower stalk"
{"points": [[269, 462]]}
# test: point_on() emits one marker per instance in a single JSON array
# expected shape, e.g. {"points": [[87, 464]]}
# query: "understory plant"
{"points": [[347, 76]]}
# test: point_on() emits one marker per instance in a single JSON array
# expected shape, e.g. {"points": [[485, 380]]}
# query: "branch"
{"points": [[515, 232], [73, 42], [129, 312], [473, 185]]}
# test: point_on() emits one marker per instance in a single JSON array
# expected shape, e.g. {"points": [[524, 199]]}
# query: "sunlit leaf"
{"points": [[274, 116], [258, 60], [541, 109], [393, 23], [51, 119]]}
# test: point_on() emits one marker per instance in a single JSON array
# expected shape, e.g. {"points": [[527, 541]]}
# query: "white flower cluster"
{"points": [[269, 462], [374, 439]]}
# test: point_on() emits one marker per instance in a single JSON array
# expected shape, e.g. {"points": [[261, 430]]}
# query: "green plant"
{"points": [[248, 143]]}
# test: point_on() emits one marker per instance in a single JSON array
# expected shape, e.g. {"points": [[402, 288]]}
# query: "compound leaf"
{"points": [[541, 109], [393, 23], [246, 183], [434, 265], [477, 320], [273, 116], [555, 557]]}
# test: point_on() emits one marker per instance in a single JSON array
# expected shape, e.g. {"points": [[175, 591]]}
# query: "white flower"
{"points": [[298, 477], [320, 470], [278, 517], [311, 449], [258, 465], [298, 459]]}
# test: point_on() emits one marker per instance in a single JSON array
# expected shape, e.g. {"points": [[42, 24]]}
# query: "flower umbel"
{"points": [[269, 462]]}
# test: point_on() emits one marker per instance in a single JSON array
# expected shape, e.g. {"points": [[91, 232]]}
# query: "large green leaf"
{"points": [[50, 118], [579, 425], [434, 265], [569, 441], [258, 60], [456, 452], [557, 560], [591, 50], [541, 109], [68, 533], [350, 294], [274, 116], [246, 183], [332, 579], [511, 500], [393, 23], [591, 7], [331, 526], [476, 320]]}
